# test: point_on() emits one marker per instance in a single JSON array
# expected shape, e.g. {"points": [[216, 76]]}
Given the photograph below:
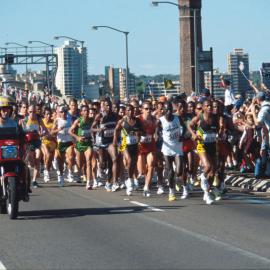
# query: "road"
{"points": [[71, 228]]}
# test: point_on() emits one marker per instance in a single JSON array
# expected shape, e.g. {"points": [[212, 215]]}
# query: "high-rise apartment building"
{"points": [[265, 74], [238, 81], [69, 71]]}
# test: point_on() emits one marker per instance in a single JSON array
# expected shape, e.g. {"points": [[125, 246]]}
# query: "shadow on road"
{"points": [[79, 212]]}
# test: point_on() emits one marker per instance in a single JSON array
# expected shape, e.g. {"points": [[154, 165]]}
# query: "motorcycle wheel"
{"points": [[12, 202]]}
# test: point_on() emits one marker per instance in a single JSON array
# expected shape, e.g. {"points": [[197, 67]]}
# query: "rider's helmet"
{"points": [[6, 102]]}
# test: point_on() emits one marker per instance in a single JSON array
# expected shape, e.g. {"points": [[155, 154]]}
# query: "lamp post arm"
{"points": [[112, 28]]}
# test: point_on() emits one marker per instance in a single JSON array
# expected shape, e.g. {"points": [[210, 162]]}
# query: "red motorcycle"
{"points": [[14, 174]]}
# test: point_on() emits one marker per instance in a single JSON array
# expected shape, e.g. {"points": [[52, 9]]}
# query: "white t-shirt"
{"points": [[229, 97]]}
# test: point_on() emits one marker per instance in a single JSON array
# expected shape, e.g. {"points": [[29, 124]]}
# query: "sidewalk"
{"points": [[247, 181]]}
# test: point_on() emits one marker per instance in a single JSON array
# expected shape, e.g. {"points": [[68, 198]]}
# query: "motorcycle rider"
{"points": [[7, 122]]}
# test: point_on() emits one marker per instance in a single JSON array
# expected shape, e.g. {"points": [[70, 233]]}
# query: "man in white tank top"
{"points": [[172, 129]]}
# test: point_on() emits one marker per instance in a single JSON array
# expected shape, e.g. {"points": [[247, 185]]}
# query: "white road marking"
{"points": [[147, 206], [216, 242], [2, 267]]}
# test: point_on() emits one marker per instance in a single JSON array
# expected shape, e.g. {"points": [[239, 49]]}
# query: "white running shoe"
{"points": [[108, 186], [129, 186], [160, 190], [115, 187], [185, 193], [70, 177], [46, 176], [207, 198]]}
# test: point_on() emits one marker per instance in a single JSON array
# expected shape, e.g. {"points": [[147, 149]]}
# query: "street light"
{"points": [[23, 46], [47, 66], [126, 38], [194, 10], [82, 63]]}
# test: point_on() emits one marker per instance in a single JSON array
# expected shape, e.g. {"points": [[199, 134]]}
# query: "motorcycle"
{"points": [[14, 174]]}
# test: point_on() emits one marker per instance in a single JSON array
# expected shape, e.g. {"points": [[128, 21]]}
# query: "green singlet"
{"points": [[84, 131]]}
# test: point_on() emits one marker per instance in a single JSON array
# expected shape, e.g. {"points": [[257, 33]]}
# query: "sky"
{"points": [[154, 31]]}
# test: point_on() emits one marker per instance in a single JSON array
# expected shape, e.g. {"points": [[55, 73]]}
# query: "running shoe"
{"points": [[146, 192], [35, 184], [160, 190], [185, 193], [88, 185], [70, 177], [108, 186], [172, 197], [115, 187], [46, 176], [207, 198]]}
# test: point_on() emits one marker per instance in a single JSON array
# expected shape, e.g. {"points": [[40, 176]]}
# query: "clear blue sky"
{"points": [[154, 31]]}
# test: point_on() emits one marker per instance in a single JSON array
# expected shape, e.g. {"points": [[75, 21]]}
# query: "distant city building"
{"points": [[116, 82], [217, 90], [157, 89], [69, 72], [92, 91], [238, 81], [265, 74]]}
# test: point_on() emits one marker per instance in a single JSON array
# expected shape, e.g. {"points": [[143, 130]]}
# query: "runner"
{"points": [[80, 130], [65, 150], [49, 143], [209, 126], [147, 147], [172, 128], [104, 125], [130, 128]]}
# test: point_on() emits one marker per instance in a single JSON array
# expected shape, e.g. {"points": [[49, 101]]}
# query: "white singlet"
{"points": [[171, 133]]}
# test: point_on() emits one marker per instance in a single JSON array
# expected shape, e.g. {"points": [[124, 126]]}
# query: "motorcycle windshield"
{"points": [[11, 133]]}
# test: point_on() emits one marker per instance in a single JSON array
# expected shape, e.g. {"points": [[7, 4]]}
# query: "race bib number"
{"points": [[146, 139], [108, 133], [209, 137], [132, 139]]}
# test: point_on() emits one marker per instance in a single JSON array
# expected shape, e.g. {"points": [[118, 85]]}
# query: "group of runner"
{"points": [[127, 144]]}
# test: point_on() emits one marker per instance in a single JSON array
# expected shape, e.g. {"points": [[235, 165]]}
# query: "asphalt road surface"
{"points": [[71, 228]]}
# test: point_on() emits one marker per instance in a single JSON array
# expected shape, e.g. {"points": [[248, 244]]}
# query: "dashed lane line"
{"points": [[2, 267], [147, 206]]}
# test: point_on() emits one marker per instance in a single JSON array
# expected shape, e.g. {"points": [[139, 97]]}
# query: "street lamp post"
{"points": [[194, 10], [126, 42], [82, 62], [23, 46], [47, 65]]}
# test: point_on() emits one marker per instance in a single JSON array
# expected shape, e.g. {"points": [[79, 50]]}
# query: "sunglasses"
{"points": [[199, 108], [147, 109], [32, 112]]}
